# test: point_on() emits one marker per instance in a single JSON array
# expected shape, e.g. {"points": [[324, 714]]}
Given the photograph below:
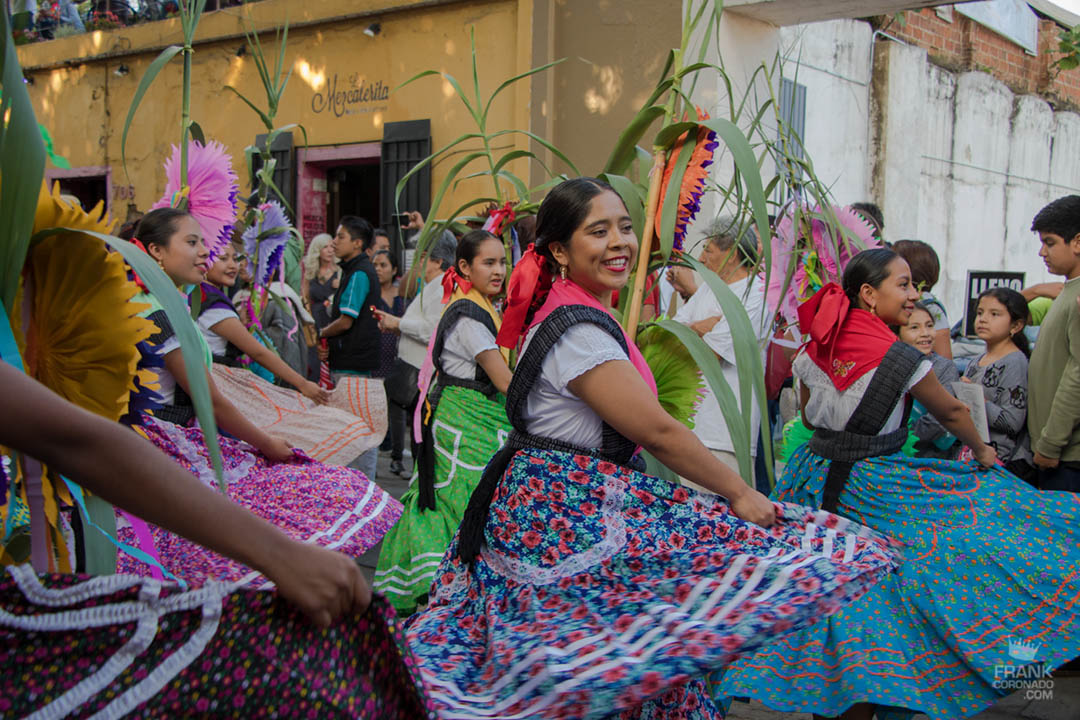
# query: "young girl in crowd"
{"points": [[988, 580], [925, 270], [578, 586], [931, 439], [1003, 372], [229, 339], [309, 500], [390, 302], [463, 425]]}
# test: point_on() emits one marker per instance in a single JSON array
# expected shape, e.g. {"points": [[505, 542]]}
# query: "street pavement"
{"points": [[1065, 704]]}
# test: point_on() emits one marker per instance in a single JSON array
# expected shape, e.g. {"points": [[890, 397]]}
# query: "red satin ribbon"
{"points": [[845, 342], [451, 279], [529, 285], [134, 275], [499, 219]]}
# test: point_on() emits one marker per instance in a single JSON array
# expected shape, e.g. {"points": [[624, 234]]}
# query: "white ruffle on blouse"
{"points": [[551, 409], [831, 409]]}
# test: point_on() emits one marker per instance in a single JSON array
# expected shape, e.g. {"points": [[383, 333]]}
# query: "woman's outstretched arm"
{"points": [[125, 469]]}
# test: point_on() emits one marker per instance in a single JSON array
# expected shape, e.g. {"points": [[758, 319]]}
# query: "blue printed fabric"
{"points": [[605, 592], [984, 601]]}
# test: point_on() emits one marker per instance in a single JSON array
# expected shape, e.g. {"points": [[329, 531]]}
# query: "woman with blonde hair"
{"points": [[321, 276]]}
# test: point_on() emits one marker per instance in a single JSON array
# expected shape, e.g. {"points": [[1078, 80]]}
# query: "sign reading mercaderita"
{"points": [[979, 281], [349, 98]]}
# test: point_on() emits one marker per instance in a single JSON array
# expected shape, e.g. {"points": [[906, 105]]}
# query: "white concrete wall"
{"points": [[954, 159], [989, 160], [832, 59]]}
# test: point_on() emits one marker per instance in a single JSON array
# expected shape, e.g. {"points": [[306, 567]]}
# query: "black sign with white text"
{"points": [[979, 281]]}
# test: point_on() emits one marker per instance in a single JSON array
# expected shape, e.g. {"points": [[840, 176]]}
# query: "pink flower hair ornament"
{"points": [[212, 191], [818, 260]]}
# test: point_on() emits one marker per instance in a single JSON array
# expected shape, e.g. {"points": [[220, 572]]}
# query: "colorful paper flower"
{"points": [[693, 180], [679, 385], [818, 259], [265, 252], [82, 330], [211, 193]]}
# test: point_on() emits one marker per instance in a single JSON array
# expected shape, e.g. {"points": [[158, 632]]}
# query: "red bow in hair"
{"points": [[845, 342], [451, 279], [134, 275], [529, 285], [499, 218]]}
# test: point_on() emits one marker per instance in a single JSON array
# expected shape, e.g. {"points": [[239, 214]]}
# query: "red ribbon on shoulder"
{"points": [[529, 285], [845, 342], [451, 279], [134, 275]]}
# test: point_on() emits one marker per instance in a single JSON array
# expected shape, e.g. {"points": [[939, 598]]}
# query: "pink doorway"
{"points": [[337, 180]]}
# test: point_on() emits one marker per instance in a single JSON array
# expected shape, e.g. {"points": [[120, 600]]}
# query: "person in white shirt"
{"points": [[732, 256]]}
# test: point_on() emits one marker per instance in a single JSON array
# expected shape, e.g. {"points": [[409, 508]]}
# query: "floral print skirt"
{"points": [[605, 592], [984, 603], [337, 507]]}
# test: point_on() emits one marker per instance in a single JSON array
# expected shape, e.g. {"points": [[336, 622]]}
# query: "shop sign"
{"points": [[351, 97]]}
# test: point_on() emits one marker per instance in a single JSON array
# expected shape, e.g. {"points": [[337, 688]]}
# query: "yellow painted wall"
{"points": [[615, 51], [84, 105]]}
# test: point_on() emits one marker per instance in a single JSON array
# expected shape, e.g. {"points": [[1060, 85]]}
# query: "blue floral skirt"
{"points": [[984, 603], [605, 592]]}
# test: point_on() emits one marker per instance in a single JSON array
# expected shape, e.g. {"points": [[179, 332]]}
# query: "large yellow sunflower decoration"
{"points": [[77, 328]]}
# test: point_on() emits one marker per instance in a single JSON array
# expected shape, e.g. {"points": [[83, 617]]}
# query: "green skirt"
{"points": [[468, 429]]}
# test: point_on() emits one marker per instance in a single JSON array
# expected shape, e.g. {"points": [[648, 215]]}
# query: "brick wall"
{"points": [[964, 44]]}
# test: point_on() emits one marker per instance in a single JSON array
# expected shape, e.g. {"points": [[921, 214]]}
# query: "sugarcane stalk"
{"points": [[637, 296]]}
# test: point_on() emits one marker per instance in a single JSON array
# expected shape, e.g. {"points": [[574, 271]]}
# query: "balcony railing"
{"points": [[34, 21]]}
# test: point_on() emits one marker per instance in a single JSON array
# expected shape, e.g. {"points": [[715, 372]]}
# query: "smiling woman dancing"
{"points": [[463, 425], [333, 506], [986, 595], [578, 586]]}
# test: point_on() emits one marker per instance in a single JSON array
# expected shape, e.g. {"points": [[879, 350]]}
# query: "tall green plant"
{"points": [[480, 148]]}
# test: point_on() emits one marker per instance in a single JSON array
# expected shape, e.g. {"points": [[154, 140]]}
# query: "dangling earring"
{"points": [[562, 271], [873, 310]]}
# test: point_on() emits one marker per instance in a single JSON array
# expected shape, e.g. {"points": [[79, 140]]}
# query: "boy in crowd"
{"points": [[1054, 371], [353, 332]]}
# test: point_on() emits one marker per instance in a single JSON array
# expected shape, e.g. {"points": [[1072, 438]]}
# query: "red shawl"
{"points": [[845, 342]]}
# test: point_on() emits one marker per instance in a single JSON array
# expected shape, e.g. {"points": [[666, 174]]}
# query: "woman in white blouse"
{"points": [[988, 583], [463, 422], [579, 586]]}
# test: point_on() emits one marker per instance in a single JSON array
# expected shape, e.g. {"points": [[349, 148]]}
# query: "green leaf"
{"points": [[514, 79], [511, 156], [713, 372], [196, 132], [144, 84], [746, 164], [625, 147], [162, 288], [631, 198], [670, 211], [748, 349], [668, 135], [429, 160], [554, 150], [262, 116], [22, 154]]}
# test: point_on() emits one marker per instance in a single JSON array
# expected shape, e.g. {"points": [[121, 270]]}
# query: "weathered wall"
{"points": [[84, 105], [964, 164], [614, 53]]}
